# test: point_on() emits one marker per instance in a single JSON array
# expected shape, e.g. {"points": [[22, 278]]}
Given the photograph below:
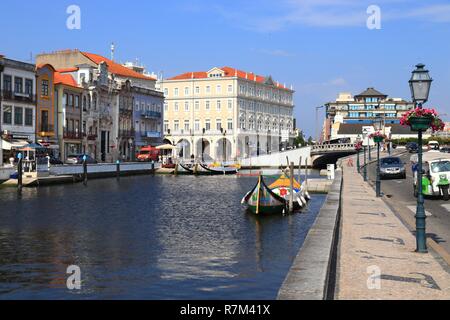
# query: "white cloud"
{"points": [[280, 15]]}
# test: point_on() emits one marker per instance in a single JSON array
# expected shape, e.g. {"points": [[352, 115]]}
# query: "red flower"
{"points": [[436, 125]]}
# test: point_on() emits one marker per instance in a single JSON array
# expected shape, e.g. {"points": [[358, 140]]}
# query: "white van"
{"points": [[433, 145]]}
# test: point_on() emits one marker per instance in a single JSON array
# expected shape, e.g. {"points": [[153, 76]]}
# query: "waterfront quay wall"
{"points": [[313, 273], [103, 169]]}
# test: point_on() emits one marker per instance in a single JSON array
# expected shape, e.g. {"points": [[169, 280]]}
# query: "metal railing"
{"points": [[333, 147]]}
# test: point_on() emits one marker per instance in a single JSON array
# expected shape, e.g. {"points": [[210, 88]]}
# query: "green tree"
{"points": [[300, 140]]}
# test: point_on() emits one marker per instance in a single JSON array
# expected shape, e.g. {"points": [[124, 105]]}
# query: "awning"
{"points": [[166, 147], [17, 144], [5, 145]]}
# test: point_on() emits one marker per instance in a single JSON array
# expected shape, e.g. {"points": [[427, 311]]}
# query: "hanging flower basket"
{"points": [[358, 146], [422, 119], [377, 137]]}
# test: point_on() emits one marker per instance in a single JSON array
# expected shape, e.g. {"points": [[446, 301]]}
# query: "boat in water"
{"points": [[218, 169], [262, 200], [282, 188]]}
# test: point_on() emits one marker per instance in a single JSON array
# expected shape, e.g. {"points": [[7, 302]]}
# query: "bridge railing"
{"points": [[333, 147]]}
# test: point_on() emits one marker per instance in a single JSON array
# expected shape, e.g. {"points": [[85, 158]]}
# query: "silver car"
{"points": [[392, 167]]}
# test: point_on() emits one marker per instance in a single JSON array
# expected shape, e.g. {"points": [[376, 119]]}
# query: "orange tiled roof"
{"points": [[65, 79], [68, 70], [116, 68], [229, 72]]}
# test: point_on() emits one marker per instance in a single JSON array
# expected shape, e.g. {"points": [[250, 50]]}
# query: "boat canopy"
{"points": [[284, 182]]}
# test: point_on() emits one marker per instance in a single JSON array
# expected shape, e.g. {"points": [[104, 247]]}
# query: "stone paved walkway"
{"points": [[376, 251]]}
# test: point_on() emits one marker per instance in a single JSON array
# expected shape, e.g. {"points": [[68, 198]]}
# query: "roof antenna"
{"points": [[113, 48]]}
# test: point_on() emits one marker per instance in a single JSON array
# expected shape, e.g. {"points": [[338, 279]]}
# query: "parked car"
{"points": [[392, 167], [445, 150], [78, 159], [148, 153], [433, 145], [412, 147]]}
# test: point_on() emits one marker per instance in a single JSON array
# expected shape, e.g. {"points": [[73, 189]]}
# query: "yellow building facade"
{"points": [[226, 114]]}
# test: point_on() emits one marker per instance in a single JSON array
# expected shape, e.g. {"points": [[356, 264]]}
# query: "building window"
{"points": [[166, 92], [207, 125], [18, 116], [70, 100], [44, 88], [186, 106], [186, 125], [219, 89], [176, 107], [219, 105], [218, 124], [77, 101], [7, 83], [175, 92], [186, 91], [230, 104], [28, 117], [242, 123], [230, 88], [166, 107], [208, 89], [207, 105], [18, 85], [230, 124], [176, 125], [197, 90], [7, 114], [197, 105], [29, 86], [166, 126], [197, 125]]}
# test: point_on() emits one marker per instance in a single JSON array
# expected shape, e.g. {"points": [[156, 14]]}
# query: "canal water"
{"points": [[146, 237]]}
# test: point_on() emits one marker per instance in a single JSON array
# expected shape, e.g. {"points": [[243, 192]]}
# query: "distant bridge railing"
{"points": [[333, 147]]}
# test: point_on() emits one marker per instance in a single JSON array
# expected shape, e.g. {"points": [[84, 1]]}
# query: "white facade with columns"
{"points": [[235, 114]]}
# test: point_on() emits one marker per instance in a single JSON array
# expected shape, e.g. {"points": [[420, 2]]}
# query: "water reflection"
{"points": [[147, 238]]}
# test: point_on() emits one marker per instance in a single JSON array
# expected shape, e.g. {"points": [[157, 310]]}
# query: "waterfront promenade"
{"points": [[376, 258]]}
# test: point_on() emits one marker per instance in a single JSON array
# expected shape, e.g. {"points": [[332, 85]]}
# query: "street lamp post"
{"points": [[365, 164], [378, 181], [358, 150], [420, 84]]}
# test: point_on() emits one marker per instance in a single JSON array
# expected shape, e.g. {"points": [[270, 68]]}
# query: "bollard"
{"points": [[118, 169], [19, 172], [85, 173]]}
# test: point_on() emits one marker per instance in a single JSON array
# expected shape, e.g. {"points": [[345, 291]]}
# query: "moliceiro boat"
{"points": [[282, 188], [218, 169], [261, 200]]}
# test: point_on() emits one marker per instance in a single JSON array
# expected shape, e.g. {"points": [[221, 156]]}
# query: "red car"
{"points": [[148, 154]]}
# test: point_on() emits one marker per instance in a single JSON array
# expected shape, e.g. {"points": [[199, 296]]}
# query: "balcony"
{"points": [[46, 130], [126, 133], [18, 96], [72, 135], [92, 137], [151, 114]]}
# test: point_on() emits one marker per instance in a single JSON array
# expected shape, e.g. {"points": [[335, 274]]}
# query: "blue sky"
{"points": [[321, 47]]}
